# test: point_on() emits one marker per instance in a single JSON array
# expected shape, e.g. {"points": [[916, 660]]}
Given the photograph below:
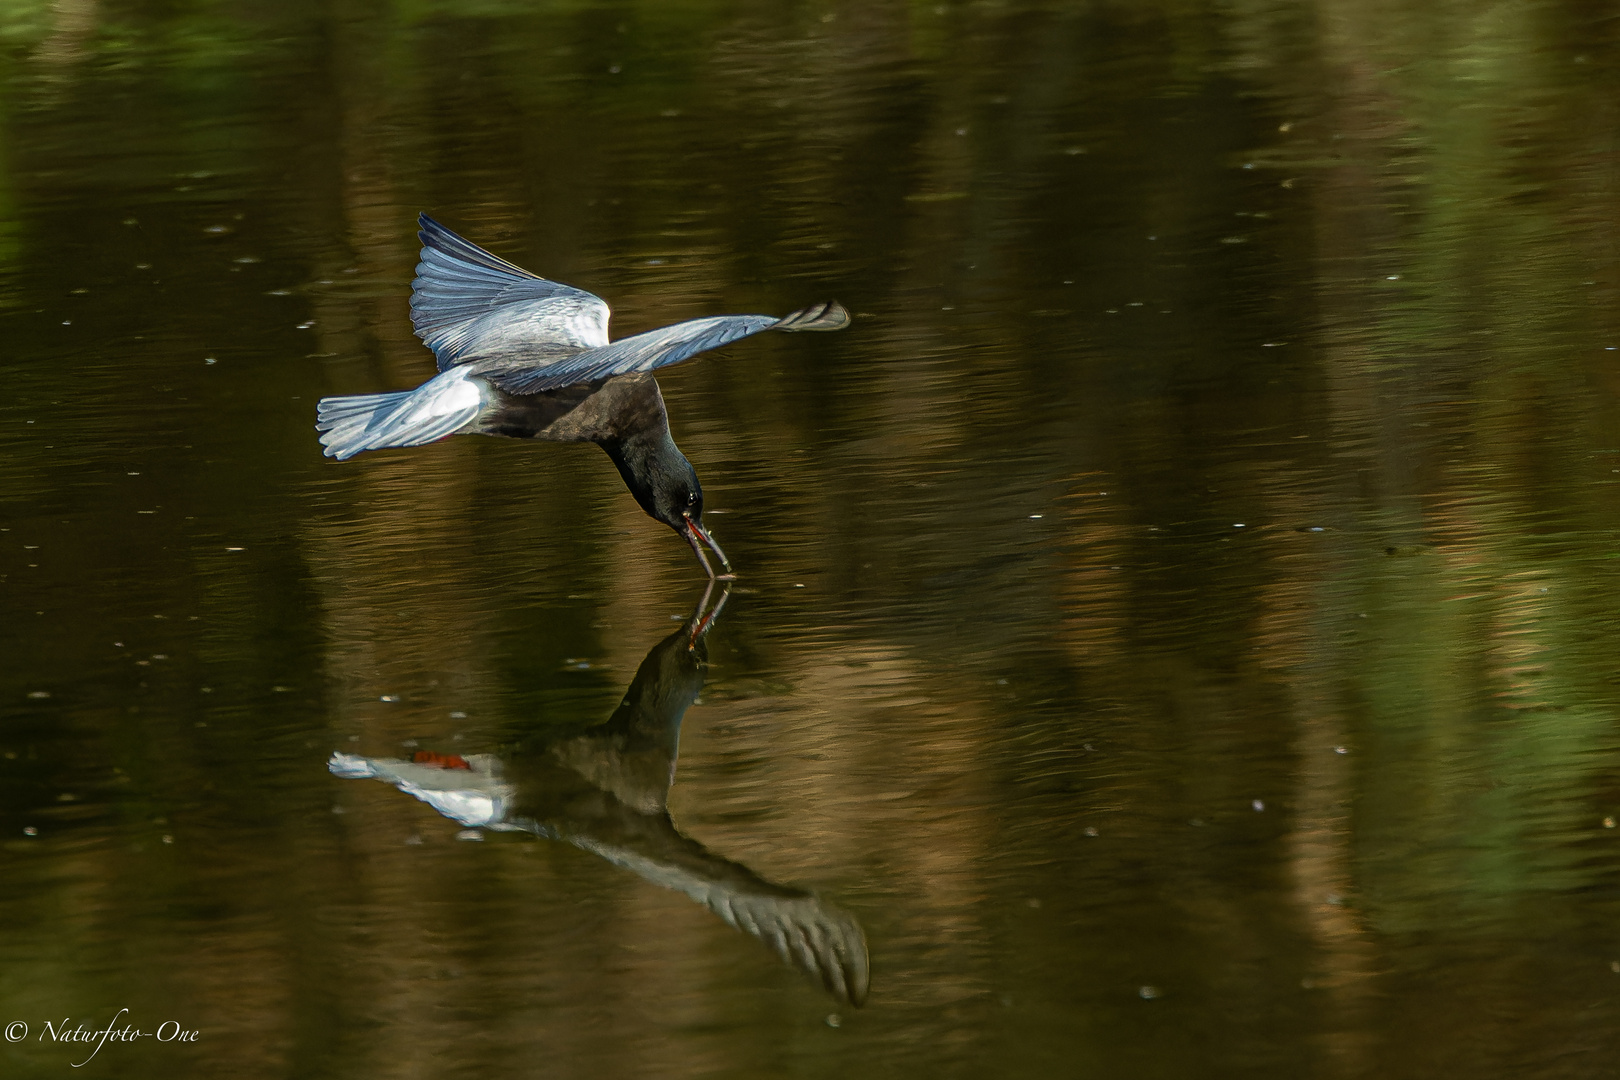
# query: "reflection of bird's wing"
{"points": [[662, 347], [806, 932], [820, 939], [466, 301]]}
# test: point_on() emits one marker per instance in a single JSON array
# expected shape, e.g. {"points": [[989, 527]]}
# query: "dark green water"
{"points": [[1176, 620]]}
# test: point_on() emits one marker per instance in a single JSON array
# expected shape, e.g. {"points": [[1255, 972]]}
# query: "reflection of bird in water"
{"points": [[529, 358], [606, 791]]}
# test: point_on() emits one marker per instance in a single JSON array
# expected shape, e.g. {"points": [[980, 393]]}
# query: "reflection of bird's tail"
{"points": [[432, 411]]}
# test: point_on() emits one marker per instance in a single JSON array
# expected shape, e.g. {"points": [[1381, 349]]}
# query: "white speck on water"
{"points": [[615, 69], [833, 1020], [306, 324], [961, 131], [39, 695], [469, 834], [1091, 830], [1341, 749], [29, 830], [209, 360], [389, 697], [1608, 822], [1035, 517], [167, 839], [410, 742], [1239, 525], [413, 839], [1148, 993], [1393, 277], [798, 584], [67, 322], [458, 715], [1258, 805]]}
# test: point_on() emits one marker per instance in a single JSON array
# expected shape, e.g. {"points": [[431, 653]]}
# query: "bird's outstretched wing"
{"points": [[662, 347], [468, 302]]}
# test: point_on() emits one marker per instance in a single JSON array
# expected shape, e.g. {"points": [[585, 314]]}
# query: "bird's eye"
{"points": [[691, 498]]}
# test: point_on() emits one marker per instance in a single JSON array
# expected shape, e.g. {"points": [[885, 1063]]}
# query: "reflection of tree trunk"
{"points": [[1321, 853], [1355, 221], [72, 22]]}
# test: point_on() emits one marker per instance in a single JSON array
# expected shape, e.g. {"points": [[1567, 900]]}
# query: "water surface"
{"points": [[1175, 618]]}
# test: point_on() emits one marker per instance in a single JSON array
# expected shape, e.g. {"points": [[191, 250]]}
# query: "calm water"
{"points": [[1176, 623]]}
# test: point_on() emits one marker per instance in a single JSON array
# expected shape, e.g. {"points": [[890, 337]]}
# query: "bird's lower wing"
{"points": [[662, 347]]}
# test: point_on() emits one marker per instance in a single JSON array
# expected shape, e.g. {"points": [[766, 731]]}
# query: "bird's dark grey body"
{"points": [[603, 411], [527, 358]]}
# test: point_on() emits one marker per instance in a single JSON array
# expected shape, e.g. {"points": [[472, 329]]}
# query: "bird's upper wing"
{"points": [[662, 347], [468, 302]]}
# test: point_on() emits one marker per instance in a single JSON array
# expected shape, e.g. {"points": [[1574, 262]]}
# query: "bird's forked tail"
{"points": [[434, 410]]}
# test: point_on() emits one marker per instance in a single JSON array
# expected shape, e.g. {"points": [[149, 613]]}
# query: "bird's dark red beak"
{"points": [[699, 538]]}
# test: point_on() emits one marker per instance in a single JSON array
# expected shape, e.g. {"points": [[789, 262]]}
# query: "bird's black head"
{"points": [[665, 485], [663, 482], [678, 497]]}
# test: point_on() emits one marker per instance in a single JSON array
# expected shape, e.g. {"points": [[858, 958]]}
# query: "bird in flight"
{"points": [[529, 358]]}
